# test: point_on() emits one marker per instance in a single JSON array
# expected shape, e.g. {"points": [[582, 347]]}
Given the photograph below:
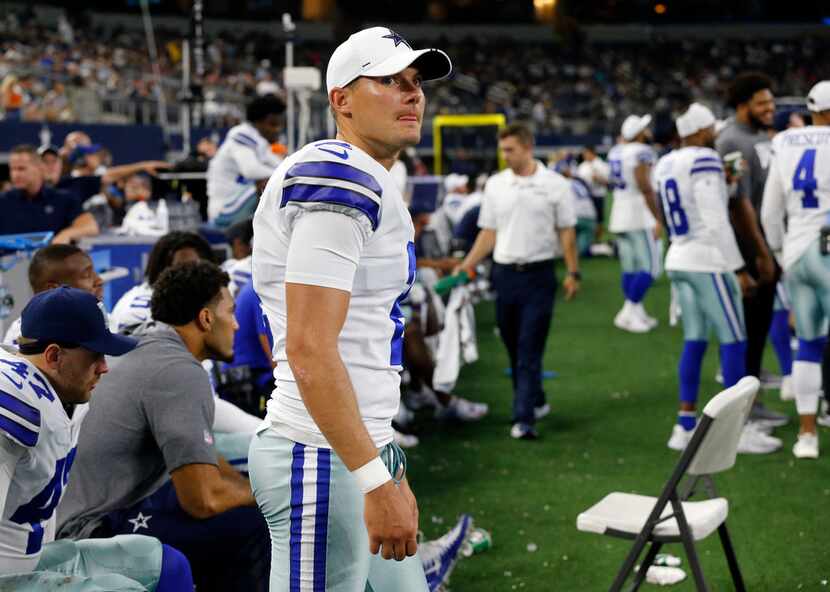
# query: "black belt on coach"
{"points": [[535, 265]]}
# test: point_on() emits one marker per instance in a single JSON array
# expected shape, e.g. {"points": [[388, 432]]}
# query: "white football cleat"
{"points": [[627, 320], [541, 411], [806, 446], [461, 409], [680, 437], [787, 393], [754, 441], [640, 311]]}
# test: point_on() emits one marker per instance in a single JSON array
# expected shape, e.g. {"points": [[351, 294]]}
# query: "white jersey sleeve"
{"points": [[774, 208], [629, 211], [20, 418], [253, 160]]}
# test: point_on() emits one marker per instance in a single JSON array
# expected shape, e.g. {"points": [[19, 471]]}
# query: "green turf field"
{"points": [[614, 404]]}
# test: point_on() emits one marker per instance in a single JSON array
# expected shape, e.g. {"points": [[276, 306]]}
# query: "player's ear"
{"points": [[340, 102], [204, 320]]}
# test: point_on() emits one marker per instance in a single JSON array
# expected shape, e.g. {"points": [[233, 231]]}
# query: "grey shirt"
{"points": [[755, 146], [151, 414]]}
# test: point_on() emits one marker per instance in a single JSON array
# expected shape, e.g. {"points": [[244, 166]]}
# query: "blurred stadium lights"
{"points": [[660, 8], [545, 10]]}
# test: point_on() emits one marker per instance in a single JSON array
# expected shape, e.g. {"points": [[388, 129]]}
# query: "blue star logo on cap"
{"points": [[396, 38]]}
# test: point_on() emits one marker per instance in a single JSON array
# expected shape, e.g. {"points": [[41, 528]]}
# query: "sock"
{"points": [[779, 336], [733, 362], [639, 285], [175, 571], [807, 375], [689, 370], [687, 420], [627, 279]]}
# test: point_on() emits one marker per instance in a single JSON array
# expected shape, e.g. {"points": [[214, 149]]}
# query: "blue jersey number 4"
{"points": [[676, 217], [804, 178]]}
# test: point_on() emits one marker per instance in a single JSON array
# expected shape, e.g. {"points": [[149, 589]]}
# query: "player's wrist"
{"points": [[372, 475]]}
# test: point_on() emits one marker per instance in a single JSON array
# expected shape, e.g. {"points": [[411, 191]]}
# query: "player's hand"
{"points": [[390, 522], [413, 503], [658, 231], [151, 167], [748, 284], [571, 285], [766, 268], [465, 268]]}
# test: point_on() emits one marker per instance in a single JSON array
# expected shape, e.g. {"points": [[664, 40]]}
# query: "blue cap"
{"points": [[69, 315], [81, 151]]}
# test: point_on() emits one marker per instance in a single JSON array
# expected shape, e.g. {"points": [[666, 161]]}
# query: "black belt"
{"points": [[521, 267]]}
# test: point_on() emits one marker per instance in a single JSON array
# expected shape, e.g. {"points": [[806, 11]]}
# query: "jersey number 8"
{"points": [[675, 215]]}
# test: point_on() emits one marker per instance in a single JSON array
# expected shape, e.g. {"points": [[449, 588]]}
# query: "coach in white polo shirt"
{"points": [[523, 209]]}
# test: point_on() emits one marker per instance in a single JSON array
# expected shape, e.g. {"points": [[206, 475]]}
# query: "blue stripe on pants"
{"points": [[736, 333], [321, 518], [296, 531]]}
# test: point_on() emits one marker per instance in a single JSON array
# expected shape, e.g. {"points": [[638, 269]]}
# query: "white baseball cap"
{"points": [[380, 51], [633, 125], [696, 118], [819, 97]]}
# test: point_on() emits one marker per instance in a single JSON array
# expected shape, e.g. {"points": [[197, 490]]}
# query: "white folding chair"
{"points": [[671, 518]]}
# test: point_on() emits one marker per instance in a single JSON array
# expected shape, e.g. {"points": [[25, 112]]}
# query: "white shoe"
{"points": [[601, 250], [640, 311], [787, 393], [754, 441], [404, 440], [541, 411], [416, 400], [806, 446], [629, 321], [680, 437], [461, 409]]}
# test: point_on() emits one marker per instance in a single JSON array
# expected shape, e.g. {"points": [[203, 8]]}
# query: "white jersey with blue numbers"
{"points": [[798, 188], [692, 189], [334, 176], [33, 418], [629, 211], [243, 158]]}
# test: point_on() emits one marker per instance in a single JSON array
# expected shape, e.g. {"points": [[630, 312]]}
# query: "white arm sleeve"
{"points": [[250, 166], [564, 204], [773, 209], [230, 418], [10, 454], [486, 214], [709, 195], [325, 249]]}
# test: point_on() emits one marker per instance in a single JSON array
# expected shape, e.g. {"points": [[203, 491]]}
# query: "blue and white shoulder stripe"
{"points": [[707, 162], [346, 187], [19, 419]]}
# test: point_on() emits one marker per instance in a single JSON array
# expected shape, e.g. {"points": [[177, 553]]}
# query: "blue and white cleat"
{"points": [[440, 556]]}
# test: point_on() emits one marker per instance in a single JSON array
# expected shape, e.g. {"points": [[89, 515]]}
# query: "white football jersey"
{"points": [[242, 159], [334, 176], [33, 417], [629, 211], [798, 187], [692, 189], [132, 309]]}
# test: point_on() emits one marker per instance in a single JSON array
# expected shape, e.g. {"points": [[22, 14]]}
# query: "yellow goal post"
{"points": [[440, 121]]}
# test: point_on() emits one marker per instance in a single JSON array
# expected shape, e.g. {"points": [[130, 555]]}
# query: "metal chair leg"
{"points": [[640, 577], [731, 559], [630, 561], [689, 545]]}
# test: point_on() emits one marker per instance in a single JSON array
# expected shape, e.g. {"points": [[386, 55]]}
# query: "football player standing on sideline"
{"points": [[522, 210], [702, 262], [333, 258], [635, 220], [798, 190]]}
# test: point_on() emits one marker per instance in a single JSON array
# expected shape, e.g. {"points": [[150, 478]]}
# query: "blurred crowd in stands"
{"points": [[76, 72]]}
